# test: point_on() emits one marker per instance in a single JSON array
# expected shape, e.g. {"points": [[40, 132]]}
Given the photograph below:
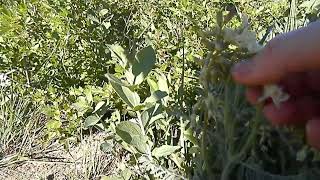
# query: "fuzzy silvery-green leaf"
{"points": [[131, 98], [156, 96], [91, 121], [106, 147], [103, 12], [116, 80], [88, 94], [131, 133], [98, 106], [151, 115], [143, 64], [164, 150], [153, 85], [119, 55]]}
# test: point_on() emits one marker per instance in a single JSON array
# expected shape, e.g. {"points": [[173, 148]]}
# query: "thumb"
{"points": [[313, 133], [296, 51]]}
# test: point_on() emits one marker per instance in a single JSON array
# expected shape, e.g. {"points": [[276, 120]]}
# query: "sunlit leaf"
{"points": [[164, 150], [118, 53], [156, 96], [117, 80], [91, 121], [98, 106], [131, 133], [131, 98], [153, 85]]}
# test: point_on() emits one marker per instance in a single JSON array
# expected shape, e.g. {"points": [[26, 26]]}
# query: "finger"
{"points": [[313, 80], [313, 133], [287, 114], [293, 112], [253, 94], [296, 51], [295, 84]]}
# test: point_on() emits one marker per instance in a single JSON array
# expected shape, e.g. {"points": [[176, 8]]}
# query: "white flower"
{"points": [[245, 39], [275, 93], [4, 80]]}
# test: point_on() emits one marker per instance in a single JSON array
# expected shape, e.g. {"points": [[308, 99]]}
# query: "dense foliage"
{"points": [[154, 75]]}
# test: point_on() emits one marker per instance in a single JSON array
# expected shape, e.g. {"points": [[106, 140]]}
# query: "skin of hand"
{"points": [[292, 61]]}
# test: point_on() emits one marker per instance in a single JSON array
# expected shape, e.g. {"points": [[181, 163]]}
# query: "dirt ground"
{"points": [[84, 161]]}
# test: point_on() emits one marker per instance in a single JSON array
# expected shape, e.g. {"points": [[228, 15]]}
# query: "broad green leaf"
{"points": [[98, 106], [118, 54], [88, 94], [164, 150], [153, 85], [189, 136], [131, 133], [162, 83], [124, 175], [145, 117], [106, 147], [107, 25], [103, 12], [156, 96], [163, 86], [132, 99], [81, 105], [176, 158], [143, 64], [91, 121], [151, 115], [117, 80], [53, 124], [129, 77]]}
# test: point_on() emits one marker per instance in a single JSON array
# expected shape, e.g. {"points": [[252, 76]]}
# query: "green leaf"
{"points": [[163, 86], [91, 121], [117, 80], [151, 115], [162, 83], [88, 94], [130, 77], [156, 96], [124, 175], [145, 117], [164, 150], [143, 64], [106, 147], [118, 54], [132, 99], [53, 124], [131, 133], [189, 136], [107, 25], [153, 85], [81, 105], [98, 106], [103, 12]]}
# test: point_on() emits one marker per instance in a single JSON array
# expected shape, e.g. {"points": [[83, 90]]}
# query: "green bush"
{"points": [[155, 76]]}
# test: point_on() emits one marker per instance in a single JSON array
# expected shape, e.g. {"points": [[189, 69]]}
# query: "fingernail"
{"points": [[243, 68]]}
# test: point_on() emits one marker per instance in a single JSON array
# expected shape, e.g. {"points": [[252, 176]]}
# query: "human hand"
{"points": [[292, 61]]}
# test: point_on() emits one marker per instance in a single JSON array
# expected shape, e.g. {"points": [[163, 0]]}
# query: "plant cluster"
{"points": [[155, 76]]}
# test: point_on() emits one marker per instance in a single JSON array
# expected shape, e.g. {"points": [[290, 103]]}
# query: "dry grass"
{"points": [[82, 161]]}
